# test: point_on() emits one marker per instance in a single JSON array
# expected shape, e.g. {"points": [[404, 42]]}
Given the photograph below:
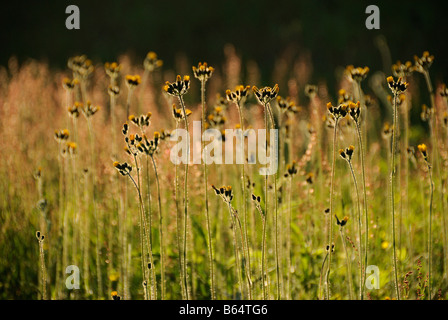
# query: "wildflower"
{"points": [[73, 111], [400, 100], [178, 114], [124, 168], [112, 69], [398, 86], [287, 105], [69, 84], [203, 72], [151, 62], [424, 151], [426, 113], [40, 237], [342, 222], [387, 130], [266, 94], [71, 148], [310, 91], [149, 147], [179, 87], [402, 70], [81, 66], [89, 109], [384, 245], [444, 91], [133, 81], [125, 129], [61, 135], [115, 295], [239, 95], [141, 121], [291, 170], [225, 193], [216, 118], [357, 74], [338, 112], [113, 91], [309, 178], [344, 96], [423, 63], [347, 153], [354, 111]]}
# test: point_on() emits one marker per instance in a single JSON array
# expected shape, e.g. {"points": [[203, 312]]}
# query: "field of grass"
{"points": [[86, 180]]}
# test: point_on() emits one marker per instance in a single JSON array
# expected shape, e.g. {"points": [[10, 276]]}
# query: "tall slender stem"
{"points": [[392, 176], [330, 234], [181, 100], [207, 214]]}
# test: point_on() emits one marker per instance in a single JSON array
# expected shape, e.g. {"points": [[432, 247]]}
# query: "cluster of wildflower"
{"points": [[225, 192], [357, 74], [402, 70], [338, 112], [344, 96], [149, 147], [39, 236], [178, 114], [68, 84], [310, 90], [291, 170], [287, 105], [81, 66], [266, 94], [347, 153], [142, 121], [124, 168], [203, 72], [239, 95], [400, 100], [354, 111], [112, 70], [216, 118], [151, 62], [387, 130], [89, 109], [61, 135], [179, 87], [398, 86], [342, 222], [133, 81], [113, 91], [423, 63], [424, 151], [426, 113], [73, 110]]}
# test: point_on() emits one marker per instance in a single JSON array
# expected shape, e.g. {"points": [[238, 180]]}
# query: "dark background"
{"points": [[333, 31]]}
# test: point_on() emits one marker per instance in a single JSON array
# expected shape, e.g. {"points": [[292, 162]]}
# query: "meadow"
{"points": [[86, 182]]}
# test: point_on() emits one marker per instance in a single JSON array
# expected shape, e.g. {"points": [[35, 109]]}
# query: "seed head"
{"points": [[266, 94], [398, 86], [203, 72], [179, 87]]}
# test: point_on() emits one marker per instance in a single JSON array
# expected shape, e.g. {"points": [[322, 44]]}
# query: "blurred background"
{"points": [[329, 33]]}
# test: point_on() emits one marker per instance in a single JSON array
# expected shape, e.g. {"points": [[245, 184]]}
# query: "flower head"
{"points": [[124, 168], [354, 111], [133, 81], [423, 63], [203, 72], [266, 94], [178, 114], [424, 151], [239, 95], [142, 121], [74, 110], [151, 62], [112, 69], [337, 112], [398, 86], [402, 70], [357, 74], [179, 87], [89, 109]]}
